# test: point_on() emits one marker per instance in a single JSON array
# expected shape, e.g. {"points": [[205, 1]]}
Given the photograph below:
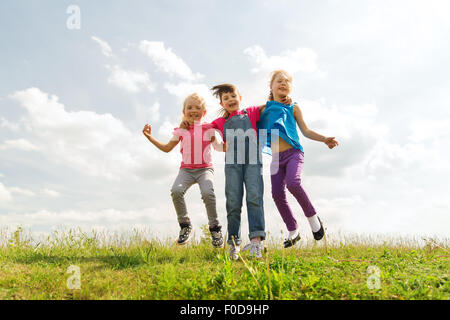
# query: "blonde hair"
{"points": [[274, 74], [194, 96]]}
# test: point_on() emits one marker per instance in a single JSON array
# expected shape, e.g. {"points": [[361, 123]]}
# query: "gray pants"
{"points": [[185, 179]]}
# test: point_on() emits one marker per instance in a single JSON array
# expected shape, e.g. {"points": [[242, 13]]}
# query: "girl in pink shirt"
{"points": [[196, 166]]}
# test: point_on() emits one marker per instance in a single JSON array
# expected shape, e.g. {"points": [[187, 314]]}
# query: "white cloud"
{"points": [[131, 81], [183, 89], [166, 129], [5, 194], [4, 123], [104, 46], [21, 191], [167, 61], [170, 63], [148, 114], [429, 129], [95, 144], [110, 219], [300, 59], [18, 144], [50, 193], [154, 111]]}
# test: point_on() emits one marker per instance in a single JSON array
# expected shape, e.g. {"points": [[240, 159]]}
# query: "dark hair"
{"points": [[219, 90]]}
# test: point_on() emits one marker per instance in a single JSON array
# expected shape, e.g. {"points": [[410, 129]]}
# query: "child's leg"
{"points": [[205, 182], [183, 181], [277, 178], [254, 188], [294, 167], [234, 191]]}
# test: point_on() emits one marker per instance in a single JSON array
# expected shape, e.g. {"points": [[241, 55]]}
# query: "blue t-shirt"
{"points": [[278, 116]]}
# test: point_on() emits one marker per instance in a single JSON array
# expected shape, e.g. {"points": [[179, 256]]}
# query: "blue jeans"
{"points": [[236, 176]]}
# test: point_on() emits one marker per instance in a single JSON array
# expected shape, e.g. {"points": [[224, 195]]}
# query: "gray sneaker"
{"points": [[216, 236], [255, 249], [185, 232], [234, 252]]}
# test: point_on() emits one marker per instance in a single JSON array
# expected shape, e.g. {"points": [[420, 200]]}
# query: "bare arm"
{"points": [[285, 100], [218, 146], [166, 147], [310, 134], [261, 109]]}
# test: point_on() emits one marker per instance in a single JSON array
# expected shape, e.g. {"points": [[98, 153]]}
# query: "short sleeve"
{"points": [[208, 131], [253, 112], [180, 133], [218, 124], [177, 132]]}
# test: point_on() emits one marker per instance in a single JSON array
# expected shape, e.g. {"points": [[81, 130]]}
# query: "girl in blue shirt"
{"points": [[281, 122]]}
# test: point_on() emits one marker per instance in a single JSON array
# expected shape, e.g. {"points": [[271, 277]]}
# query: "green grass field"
{"points": [[131, 267]]}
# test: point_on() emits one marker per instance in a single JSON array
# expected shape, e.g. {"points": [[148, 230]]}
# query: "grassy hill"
{"points": [[131, 267]]}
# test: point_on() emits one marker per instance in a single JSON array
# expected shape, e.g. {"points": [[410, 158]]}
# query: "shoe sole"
{"points": [[320, 237], [292, 242], [183, 243]]}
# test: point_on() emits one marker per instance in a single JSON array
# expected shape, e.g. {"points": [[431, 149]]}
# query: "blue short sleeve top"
{"points": [[278, 116]]}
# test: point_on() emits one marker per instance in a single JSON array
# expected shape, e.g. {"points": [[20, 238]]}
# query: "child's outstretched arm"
{"points": [[218, 146], [261, 109], [329, 141], [167, 147]]}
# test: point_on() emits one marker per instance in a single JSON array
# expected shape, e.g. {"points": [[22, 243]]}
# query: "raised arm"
{"points": [[166, 147], [218, 146], [285, 100], [261, 109], [310, 134]]}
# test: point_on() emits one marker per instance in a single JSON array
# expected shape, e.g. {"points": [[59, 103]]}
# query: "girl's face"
{"points": [[193, 111], [231, 101], [281, 85]]}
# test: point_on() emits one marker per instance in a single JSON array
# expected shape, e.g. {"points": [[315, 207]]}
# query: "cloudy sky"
{"points": [[76, 93]]}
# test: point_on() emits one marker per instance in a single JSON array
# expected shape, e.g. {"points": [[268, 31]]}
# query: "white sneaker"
{"points": [[255, 249], [234, 252]]}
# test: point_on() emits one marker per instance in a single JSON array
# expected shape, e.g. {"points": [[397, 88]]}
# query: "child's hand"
{"points": [[147, 130], [331, 143], [184, 125], [286, 100]]}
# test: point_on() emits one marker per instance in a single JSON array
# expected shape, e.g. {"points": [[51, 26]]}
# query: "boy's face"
{"points": [[231, 101], [194, 111], [281, 86]]}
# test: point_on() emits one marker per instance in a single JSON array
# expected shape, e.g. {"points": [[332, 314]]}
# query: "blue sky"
{"points": [[73, 104]]}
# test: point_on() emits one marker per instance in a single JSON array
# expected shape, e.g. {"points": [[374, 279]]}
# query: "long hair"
{"points": [[272, 78]]}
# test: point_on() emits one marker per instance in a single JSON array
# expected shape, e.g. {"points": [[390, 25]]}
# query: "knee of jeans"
{"points": [[293, 183], [254, 196], [254, 202], [177, 192], [208, 195], [278, 194]]}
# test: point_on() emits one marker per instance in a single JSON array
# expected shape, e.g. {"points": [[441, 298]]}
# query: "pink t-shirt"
{"points": [[253, 115], [196, 145]]}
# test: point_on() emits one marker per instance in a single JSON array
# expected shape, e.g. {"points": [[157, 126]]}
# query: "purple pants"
{"points": [[285, 171]]}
